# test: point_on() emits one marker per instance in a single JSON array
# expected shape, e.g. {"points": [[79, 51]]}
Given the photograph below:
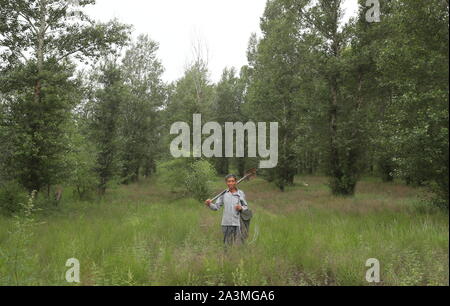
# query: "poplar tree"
{"points": [[276, 83], [140, 114], [41, 39]]}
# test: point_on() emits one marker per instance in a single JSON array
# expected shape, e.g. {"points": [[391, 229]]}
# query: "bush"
{"points": [[440, 195], [12, 197], [198, 179], [344, 185], [173, 173], [193, 176]]}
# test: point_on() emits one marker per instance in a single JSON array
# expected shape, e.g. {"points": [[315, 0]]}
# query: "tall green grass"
{"points": [[145, 235]]}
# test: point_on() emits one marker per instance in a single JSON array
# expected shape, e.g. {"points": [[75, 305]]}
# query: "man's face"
{"points": [[231, 183]]}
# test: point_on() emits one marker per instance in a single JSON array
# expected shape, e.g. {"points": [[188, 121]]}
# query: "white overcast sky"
{"points": [[224, 26]]}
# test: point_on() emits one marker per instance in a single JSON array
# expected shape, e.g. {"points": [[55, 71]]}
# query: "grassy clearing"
{"points": [[144, 234]]}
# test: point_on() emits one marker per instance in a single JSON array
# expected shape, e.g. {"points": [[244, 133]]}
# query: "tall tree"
{"points": [[191, 94], [412, 62], [227, 107], [36, 132], [140, 126], [276, 83], [344, 99], [108, 99], [39, 38]]}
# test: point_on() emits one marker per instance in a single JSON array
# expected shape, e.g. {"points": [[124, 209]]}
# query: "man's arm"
{"points": [[215, 206]]}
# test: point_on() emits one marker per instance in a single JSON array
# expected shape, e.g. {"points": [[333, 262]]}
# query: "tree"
{"points": [[191, 94], [82, 161], [342, 72], [108, 98], [39, 41], [275, 84], [140, 124], [35, 132], [412, 61], [227, 107]]}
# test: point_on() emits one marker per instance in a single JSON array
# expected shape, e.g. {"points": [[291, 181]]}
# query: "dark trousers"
{"points": [[232, 235]]}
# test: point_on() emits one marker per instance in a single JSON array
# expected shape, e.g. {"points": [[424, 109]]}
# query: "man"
{"points": [[233, 201]]}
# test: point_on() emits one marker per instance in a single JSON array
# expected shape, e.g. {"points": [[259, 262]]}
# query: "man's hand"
{"points": [[239, 208], [208, 203]]}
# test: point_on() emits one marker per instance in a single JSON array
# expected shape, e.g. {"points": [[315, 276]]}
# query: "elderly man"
{"points": [[233, 201]]}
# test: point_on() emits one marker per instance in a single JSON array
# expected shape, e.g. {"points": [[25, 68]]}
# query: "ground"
{"points": [[144, 234]]}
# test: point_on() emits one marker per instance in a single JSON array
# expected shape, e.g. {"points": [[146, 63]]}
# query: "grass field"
{"points": [[144, 234]]}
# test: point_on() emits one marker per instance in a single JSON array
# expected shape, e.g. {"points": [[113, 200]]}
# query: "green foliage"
{"points": [[36, 131], [386, 168], [20, 260], [348, 97], [57, 37], [82, 162], [355, 95], [192, 176], [276, 63], [228, 106], [173, 172], [410, 50], [12, 195], [104, 125], [140, 119], [343, 185], [38, 87], [192, 94], [199, 179]]}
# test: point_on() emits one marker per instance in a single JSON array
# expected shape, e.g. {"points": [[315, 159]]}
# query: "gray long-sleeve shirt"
{"points": [[229, 201]]}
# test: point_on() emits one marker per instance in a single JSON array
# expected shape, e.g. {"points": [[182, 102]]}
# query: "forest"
{"points": [[85, 134]]}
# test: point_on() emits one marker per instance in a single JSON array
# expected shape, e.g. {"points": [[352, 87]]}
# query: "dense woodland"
{"points": [[83, 106]]}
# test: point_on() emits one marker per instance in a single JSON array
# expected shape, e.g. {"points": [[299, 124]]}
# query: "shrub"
{"points": [[173, 173], [193, 176], [12, 197], [198, 179]]}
